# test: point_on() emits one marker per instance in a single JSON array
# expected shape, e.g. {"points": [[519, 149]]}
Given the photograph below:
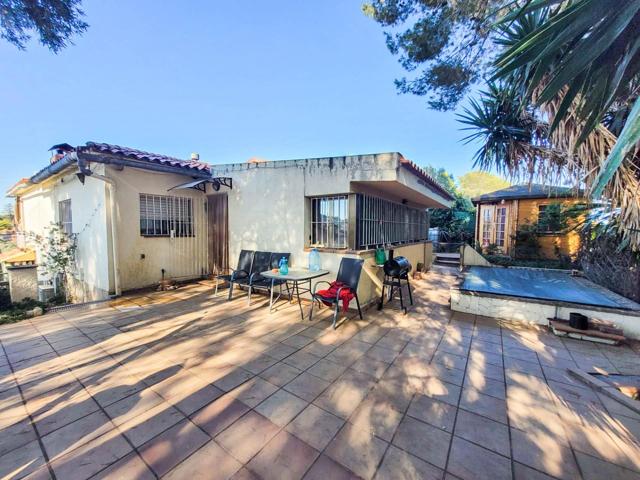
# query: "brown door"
{"points": [[218, 233]]}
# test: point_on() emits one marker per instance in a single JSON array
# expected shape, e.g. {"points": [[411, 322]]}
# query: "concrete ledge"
{"points": [[538, 311]]}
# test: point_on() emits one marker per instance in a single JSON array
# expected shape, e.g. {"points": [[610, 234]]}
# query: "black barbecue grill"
{"points": [[396, 277]]}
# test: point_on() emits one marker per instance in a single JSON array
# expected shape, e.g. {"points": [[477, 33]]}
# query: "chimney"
{"points": [[59, 151], [195, 157]]}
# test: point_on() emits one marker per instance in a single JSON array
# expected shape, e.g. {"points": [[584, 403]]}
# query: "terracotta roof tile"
{"points": [[405, 162], [145, 156]]}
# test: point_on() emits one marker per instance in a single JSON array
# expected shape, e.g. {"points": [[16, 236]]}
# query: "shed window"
{"points": [[64, 215], [486, 227], [166, 216], [501, 225], [550, 218], [330, 221], [383, 222]]}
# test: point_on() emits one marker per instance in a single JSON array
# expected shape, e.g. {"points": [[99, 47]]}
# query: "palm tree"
{"points": [[574, 70]]}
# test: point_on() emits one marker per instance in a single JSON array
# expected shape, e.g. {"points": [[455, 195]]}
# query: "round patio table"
{"points": [[296, 276]]}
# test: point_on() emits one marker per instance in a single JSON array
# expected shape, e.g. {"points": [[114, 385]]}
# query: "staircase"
{"points": [[447, 259]]}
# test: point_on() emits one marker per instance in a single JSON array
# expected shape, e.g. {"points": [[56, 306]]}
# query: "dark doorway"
{"points": [[217, 206]]}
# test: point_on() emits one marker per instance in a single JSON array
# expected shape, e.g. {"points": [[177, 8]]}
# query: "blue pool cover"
{"points": [[541, 284]]}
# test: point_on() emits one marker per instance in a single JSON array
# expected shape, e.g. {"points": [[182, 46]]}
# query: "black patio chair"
{"points": [[243, 269], [259, 264], [258, 282], [349, 274]]}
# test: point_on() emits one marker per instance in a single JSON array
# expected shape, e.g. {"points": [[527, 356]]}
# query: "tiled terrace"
{"points": [[183, 385]]}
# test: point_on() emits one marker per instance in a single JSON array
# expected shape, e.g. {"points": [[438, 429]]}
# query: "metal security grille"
{"points": [[166, 216], [382, 222], [64, 212], [330, 221]]}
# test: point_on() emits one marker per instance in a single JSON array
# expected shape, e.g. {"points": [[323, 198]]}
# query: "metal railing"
{"points": [[382, 222]]}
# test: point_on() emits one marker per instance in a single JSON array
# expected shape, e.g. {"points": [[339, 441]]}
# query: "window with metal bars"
{"points": [[64, 214], [382, 222], [330, 221], [166, 216]]}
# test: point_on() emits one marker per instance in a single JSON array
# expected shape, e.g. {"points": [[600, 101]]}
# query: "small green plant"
{"points": [[5, 299], [19, 311], [492, 249], [57, 254]]}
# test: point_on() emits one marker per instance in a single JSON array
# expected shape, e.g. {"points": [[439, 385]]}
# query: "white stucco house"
{"points": [[139, 216]]}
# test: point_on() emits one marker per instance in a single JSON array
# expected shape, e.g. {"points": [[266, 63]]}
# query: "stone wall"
{"points": [[23, 283]]}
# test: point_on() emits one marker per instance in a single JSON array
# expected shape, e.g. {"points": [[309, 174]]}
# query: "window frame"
{"points": [[171, 216], [66, 224], [486, 227], [315, 224], [399, 223], [547, 231], [501, 226], [407, 224]]}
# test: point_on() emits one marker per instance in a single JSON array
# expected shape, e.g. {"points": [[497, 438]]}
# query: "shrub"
{"points": [[527, 244], [18, 311]]}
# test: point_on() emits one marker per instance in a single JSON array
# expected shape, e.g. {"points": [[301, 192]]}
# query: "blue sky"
{"points": [[230, 80]]}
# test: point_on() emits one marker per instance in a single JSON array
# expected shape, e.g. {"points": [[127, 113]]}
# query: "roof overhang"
{"points": [[19, 187], [398, 192], [426, 180]]}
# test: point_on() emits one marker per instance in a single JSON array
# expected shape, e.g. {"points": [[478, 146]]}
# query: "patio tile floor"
{"points": [[183, 384]]}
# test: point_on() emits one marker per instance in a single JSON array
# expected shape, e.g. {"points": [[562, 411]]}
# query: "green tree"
{"points": [[54, 21], [456, 223], [6, 218], [444, 178], [473, 184], [5, 223], [553, 113], [586, 62], [449, 44]]}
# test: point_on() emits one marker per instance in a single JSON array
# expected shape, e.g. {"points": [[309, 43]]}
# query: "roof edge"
{"points": [[420, 172]]}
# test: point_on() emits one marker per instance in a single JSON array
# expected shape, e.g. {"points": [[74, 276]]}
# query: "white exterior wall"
{"points": [[181, 258], [267, 208], [530, 311], [266, 212], [88, 211]]}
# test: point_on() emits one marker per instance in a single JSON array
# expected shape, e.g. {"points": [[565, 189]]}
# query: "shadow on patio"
{"points": [[180, 383]]}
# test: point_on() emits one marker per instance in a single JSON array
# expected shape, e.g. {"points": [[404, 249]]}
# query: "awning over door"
{"points": [[201, 184]]}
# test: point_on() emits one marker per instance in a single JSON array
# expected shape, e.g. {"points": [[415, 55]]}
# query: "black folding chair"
{"points": [[257, 265], [349, 274], [258, 282], [245, 259]]}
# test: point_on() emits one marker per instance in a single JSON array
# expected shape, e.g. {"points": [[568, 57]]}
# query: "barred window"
{"points": [[330, 221], [165, 216], [382, 222], [64, 215]]}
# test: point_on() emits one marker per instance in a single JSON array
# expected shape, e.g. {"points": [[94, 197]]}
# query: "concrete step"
{"points": [[447, 255], [447, 261], [447, 258]]}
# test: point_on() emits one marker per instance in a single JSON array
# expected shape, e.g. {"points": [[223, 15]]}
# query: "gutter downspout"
{"points": [[82, 165]]}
